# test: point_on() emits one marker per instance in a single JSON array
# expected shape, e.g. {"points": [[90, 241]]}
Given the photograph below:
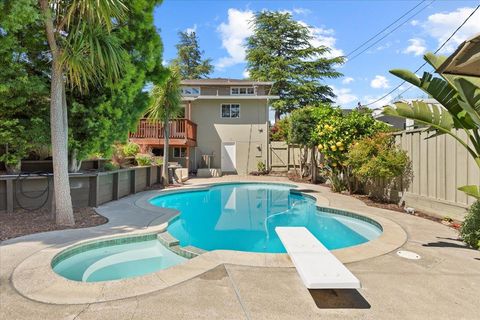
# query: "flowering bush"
{"points": [[378, 163]]}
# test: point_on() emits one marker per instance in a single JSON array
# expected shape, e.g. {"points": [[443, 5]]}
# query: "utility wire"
{"points": [[391, 31], [384, 29], [418, 69]]}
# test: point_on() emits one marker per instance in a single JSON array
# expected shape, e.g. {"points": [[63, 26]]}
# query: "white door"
{"points": [[228, 157]]}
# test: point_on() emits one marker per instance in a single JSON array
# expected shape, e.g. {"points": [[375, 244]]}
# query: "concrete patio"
{"points": [[443, 284]]}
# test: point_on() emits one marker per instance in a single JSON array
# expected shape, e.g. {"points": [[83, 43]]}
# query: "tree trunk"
{"points": [[58, 127], [61, 183], [166, 132], [313, 165], [277, 116], [74, 164]]}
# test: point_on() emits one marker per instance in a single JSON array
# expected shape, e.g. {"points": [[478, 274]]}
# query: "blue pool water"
{"points": [[244, 216], [117, 262]]}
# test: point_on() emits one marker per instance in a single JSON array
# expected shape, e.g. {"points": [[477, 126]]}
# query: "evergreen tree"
{"points": [[189, 57], [109, 112], [281, 50]]}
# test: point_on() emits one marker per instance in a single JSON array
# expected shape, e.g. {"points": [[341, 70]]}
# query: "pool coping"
{"points": [[35, 279]]}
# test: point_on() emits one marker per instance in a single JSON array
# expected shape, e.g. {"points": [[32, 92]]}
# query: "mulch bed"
{"points": [[395, 207], [23, 222]]}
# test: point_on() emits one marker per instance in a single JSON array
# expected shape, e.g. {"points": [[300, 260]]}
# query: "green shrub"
{"points": [[279, 132], [143, 159], [261, 167], [131, 149], [108, 166], [470, 230], [158, 161], [378, 163]]}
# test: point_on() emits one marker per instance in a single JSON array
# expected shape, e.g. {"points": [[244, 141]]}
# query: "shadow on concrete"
{"points": [[339, 299], [444, 244]]}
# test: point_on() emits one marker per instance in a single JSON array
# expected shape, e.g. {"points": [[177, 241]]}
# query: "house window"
{"points": [[190, 91], [236, 91], [230, 110], [179, 152]]}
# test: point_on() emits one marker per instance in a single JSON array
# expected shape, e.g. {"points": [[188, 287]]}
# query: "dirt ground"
{"points": [[23, 222]]}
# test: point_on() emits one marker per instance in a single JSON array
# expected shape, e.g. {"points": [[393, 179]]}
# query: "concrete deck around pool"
{"points": [[228, 285]]}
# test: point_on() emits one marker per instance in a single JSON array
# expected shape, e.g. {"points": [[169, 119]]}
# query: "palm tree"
{"points": [[165, 104], [82, 52], [459, 99]]}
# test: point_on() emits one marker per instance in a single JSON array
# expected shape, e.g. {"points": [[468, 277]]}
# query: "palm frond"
{"points": [[166, 98], [104, 12], [91, 55]]}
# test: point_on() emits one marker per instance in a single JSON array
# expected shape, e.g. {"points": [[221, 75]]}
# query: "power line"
{"points": [[418, 69], [391, 31], [384, 29]]}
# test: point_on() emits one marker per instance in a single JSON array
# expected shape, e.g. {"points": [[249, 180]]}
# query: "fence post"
{"points": [[149, 174], [132, 181], [10, 195], [288, 157], [115, 186], [93, 197]]}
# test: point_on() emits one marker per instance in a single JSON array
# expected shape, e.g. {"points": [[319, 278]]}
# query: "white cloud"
{"points": [[324, 37], [414, 22], [379, 82], [192, 29], [417, 47], [441, 25], [246, 74], [348, 80], [379, 104], [233, 34], [344, 96], [303, 11]]}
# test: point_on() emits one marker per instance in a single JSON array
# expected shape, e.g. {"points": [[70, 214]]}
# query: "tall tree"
{"points": [[24, 81], [82, 52], [281, 50], [166, 104], [109, 112], [189, 57]]}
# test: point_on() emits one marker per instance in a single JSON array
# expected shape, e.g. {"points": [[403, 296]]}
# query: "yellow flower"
{"points": [[334, 164], [320, 147], [339, 143], [334, 148], [326, 126], [341, 148]]}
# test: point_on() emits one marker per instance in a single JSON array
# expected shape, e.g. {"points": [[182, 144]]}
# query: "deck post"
{"points": [[10, 195], [188, 159], [94, 189], [115, 186]]}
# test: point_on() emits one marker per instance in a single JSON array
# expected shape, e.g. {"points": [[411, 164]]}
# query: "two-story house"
{"points": [[224, 126]]}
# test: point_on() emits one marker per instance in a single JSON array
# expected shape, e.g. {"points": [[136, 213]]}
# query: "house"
{"points": [[224, 128]]}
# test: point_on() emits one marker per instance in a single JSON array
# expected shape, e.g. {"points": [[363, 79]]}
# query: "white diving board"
{"points": [[317, 266]]}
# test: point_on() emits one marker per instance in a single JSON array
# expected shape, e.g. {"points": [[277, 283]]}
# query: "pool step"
{"points": [[167, 239], [173, 244]]}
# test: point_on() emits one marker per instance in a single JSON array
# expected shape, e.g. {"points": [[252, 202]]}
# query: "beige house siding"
{"points": [[225, 90], [249, 132], [440, 165]]}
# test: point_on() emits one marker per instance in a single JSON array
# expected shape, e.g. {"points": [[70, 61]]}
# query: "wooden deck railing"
{"points": [[179, 129]]}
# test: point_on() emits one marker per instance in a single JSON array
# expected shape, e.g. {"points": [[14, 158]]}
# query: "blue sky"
{"points": [[222, 27]]}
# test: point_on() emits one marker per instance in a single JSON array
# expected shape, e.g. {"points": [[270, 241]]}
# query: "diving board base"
{"points": [[317, 266]]}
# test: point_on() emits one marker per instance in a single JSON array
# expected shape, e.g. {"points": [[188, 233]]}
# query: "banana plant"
{"points": [[458, 108]]}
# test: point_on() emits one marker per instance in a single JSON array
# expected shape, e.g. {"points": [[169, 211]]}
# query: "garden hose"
{"points": [[21, 177]]}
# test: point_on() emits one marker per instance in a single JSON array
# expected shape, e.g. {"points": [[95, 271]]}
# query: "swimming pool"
{"points": [[114, 259], [243, 217]]}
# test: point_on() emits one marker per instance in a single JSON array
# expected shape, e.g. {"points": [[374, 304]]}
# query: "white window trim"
{"points": [[239, 110], [242, 94], [191, 94], [180, 152]]}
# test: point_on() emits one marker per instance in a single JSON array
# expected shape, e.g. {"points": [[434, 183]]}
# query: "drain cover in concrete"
{"points": [[408, 255]]}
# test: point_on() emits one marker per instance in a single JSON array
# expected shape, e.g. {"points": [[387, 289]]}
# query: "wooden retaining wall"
{"points": [[87, 190]]}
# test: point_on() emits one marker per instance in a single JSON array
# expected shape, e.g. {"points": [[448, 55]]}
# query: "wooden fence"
{"points": [[440, 165], [87, 190]]}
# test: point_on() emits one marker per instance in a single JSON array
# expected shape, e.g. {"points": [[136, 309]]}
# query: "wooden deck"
{"points": [[183, 132]]}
